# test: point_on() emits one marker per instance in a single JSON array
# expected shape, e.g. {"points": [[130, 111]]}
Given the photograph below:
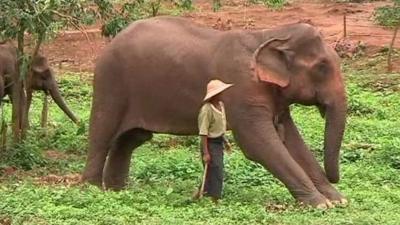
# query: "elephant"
{"points": [[41, 77], [159, 68], [8, 63]]}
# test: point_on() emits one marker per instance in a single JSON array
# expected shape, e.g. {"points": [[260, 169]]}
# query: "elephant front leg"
{"points": [[304, 157], [261, 143]]}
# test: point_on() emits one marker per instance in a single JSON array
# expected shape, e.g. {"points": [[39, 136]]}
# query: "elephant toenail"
{"points": [[321, 206], [329, 204]]}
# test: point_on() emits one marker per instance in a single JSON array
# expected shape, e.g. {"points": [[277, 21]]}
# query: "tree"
{"points": [[116, 19], [32, 22], [389, 16]]}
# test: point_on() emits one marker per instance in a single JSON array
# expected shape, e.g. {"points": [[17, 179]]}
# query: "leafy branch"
{"points": [[36, 21], [388, 16]]}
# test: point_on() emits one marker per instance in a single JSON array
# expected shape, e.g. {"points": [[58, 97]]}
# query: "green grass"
{"points": [[388, 15], [166, 171], [273, 4]]}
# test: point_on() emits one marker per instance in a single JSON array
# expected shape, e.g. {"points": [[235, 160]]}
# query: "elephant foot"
{"points": [[94, 182], [92, 179], [114, 187], [114, 184], [316, 200], [333, 195]]}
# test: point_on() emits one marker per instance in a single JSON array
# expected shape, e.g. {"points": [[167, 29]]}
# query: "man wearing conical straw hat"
{"points": [[212, 128]]}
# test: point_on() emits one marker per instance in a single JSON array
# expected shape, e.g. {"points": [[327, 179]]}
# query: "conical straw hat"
{"points": [[215, 87]]}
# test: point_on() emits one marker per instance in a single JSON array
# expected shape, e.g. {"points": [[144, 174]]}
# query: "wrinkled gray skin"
{"points": [[159, 69], [41, 78]]}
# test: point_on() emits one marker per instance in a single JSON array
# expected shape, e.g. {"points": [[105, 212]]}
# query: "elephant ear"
{"points": [[39, 64], [272, 62]]}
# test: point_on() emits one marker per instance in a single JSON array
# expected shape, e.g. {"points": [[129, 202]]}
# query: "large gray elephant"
{"points": [[159, 69], [41, 77]]}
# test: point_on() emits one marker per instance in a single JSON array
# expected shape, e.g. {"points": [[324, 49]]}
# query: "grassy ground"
{"points": [[166, 171]]}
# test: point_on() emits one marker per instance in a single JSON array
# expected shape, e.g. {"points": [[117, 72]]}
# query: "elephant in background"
{"points": [[8, 64], [159, 69], [41, 77]]}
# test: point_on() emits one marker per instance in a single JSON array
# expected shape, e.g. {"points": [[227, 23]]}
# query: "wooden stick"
{"points": [[203, 181], [389, 60], [344, 26]]}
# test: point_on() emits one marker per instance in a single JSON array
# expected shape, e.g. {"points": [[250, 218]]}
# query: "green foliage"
{"points": [[40, 17], [61, 133], [216, 5], [166, 171], [275, 4], [25, 155], [184, 4], [114, 26], [388, 15], [118, 19]]}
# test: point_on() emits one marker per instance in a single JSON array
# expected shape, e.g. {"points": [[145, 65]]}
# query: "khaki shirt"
{"points": [[212, 122]]}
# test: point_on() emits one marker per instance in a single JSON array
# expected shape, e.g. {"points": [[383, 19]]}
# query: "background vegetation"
{"points": [[166, 170], [38, 177], [388, 15]]}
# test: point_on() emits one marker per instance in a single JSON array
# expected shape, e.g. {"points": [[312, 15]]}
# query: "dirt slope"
{"points": [[73, 51]]}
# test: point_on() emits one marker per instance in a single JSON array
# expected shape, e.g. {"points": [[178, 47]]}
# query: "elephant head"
{"points": [[306, 71], [42, 78]]}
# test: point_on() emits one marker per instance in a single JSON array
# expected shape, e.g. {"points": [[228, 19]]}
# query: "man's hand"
{"points": [[228, 147], [206, 158]]}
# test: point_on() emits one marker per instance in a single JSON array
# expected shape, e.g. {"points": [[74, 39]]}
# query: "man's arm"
{"points": [[204, 124], [204, 147]]}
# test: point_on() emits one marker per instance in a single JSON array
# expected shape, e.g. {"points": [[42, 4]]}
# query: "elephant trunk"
{"points": [[334, 130], [58, 99]]}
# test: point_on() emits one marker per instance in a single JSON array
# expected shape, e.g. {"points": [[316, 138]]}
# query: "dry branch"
{"points": [[391, 49]]}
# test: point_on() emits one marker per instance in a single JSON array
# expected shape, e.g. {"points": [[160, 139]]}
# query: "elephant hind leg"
{"points": [[116, 171], [101, 134]]}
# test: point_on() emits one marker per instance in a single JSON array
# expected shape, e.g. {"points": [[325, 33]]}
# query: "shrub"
{"points": [[388, 15], [25, 155], [276, 4]]}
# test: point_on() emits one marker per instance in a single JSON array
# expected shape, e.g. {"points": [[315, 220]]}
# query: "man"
{"points": [[212, 128]]}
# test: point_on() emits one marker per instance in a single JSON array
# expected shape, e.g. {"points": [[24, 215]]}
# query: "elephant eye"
{"points": [[321, 69]]}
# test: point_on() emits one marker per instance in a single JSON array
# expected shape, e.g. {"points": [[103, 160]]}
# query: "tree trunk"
{"points": [[18, 94], [4, 136], [391, 48]]}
